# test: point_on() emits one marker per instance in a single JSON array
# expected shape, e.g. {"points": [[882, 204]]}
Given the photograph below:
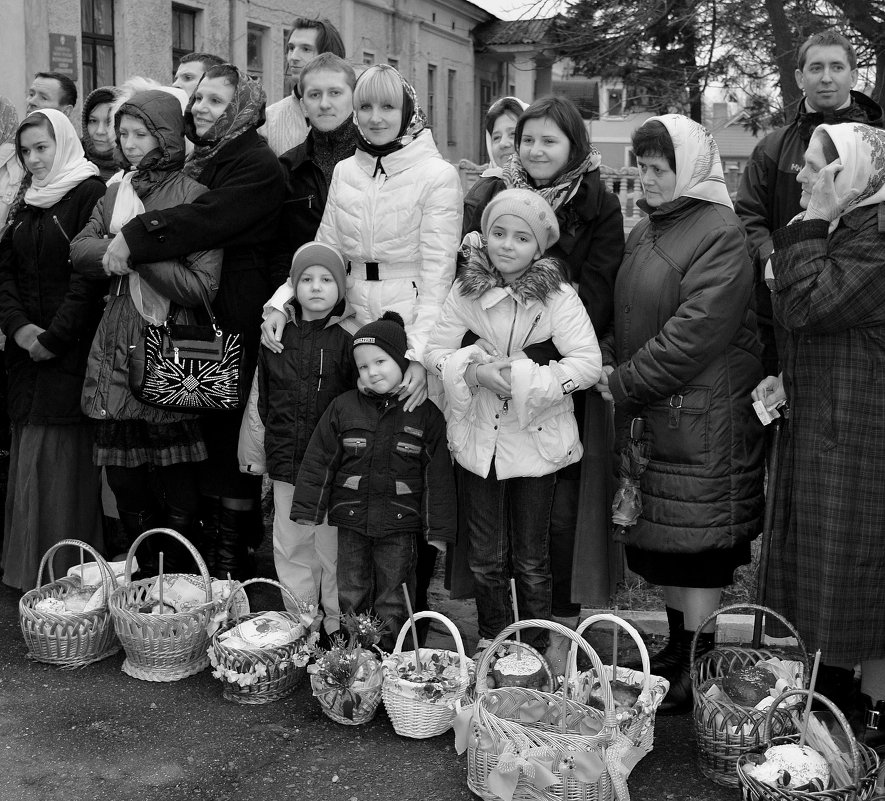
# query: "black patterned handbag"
{"points": [[189, 368]]}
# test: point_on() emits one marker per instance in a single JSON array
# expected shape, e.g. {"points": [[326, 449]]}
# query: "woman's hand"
{"points": [[486, 347], [825, 203], [27, 336], [413, 388], [602, 385], [39, 353], [770, 391], [272, 331], [495, 376], [116, 258]]}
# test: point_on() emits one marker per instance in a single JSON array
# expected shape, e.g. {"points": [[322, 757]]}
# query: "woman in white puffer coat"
{"points": [[394, 210]]}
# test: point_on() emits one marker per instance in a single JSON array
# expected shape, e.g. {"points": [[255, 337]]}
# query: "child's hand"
{"points": [[272, 331], [413, 387], [602, 385], [494, 376], [486, 346]]}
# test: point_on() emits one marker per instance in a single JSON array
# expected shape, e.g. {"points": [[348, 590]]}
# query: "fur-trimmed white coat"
{"points": [[534, 432]]}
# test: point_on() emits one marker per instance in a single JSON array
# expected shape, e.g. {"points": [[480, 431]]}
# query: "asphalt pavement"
{"points": [[95, 734]]}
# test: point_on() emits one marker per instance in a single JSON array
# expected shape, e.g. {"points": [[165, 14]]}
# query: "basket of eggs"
{"points": [[733, 692], [524, 743], [66, 622], [809, 766], [636, 695]]}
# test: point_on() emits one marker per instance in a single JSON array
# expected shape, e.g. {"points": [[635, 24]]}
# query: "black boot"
{"points": [[231, 549], [206, 533], [176, 557], [670, 656], [868, 721], [134, 524], [678, 699]]}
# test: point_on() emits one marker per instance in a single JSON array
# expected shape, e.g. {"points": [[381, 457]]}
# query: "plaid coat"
{"points": [[828, 549]]}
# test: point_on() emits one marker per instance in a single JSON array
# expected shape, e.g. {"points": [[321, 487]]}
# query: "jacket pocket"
{"points": [[354, 446], [556, 439], [405, 504], [679, 427], [346, 507]]}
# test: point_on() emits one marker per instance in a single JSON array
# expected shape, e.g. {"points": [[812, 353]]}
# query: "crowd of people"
{"points": [[440, 373]]}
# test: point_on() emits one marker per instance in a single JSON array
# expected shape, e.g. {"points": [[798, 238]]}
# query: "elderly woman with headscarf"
{"points": [[49, 315], [685, 356], [828, 291], [11, 171], [239, 214]]}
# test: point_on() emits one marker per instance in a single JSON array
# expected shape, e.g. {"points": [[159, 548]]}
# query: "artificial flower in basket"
{"points": [[436, 680], [346, 679]]}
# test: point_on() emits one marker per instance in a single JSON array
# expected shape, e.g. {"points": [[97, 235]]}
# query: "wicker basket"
{"points": [[543, 746], [865, 766], [73, 639], [165, 647], [638, 724], [419, 718], [265, 674], [724, 730], [362, 700]]}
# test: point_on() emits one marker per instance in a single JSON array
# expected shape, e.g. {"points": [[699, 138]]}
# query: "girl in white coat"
{"points": [[394, 210], [510, 421]]}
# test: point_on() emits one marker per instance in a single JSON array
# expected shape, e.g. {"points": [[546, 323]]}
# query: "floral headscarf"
{"points": [[245, 111], [558, 194], [862, 153], [698, 166], [8, 127], [414, 121]]}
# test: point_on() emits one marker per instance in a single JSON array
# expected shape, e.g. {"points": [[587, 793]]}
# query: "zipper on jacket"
{"points": [[309, 200], [512, 327], [534, 325], [320, 384], [61, 228]]}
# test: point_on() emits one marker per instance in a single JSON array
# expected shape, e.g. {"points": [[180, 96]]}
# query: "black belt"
{"points": [[371, 270]]}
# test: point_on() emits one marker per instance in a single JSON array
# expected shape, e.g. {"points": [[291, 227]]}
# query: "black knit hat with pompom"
{"points": [[389, 334]]}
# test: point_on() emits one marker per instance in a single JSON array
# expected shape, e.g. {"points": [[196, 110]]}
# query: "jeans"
{"points": [[563, 520], [371, 571], [508, 533]]}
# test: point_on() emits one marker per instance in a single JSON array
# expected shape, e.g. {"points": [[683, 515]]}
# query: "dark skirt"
{"points": [[130, 443], [713, 568]]}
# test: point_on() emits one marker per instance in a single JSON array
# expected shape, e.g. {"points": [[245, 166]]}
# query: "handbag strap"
{"points": [[175, 308]]}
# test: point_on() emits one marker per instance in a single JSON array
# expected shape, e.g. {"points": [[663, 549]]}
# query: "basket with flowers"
{"points": [[346, 679]]}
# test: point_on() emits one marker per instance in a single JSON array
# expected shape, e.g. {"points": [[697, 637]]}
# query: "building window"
{"points": [[615, 102], [450, 108], [184, 25], [97, 20], [255, 51], [368, 58], [394, 62], [431, 94]]}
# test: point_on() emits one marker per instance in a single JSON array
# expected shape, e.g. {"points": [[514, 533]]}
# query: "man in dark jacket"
{"points": [[326, 88], [768, 197], [384, 475]]}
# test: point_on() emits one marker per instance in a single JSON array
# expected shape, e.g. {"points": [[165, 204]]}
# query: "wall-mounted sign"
{"points": [[63, 54]]}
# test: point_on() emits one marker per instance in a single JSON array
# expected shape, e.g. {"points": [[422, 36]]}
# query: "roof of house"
{"points": [[517, 31]]}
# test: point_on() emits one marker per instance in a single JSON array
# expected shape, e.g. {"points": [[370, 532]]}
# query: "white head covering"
{"points": [[698, 166], [495, 170], [69, 168], [862, 153]]}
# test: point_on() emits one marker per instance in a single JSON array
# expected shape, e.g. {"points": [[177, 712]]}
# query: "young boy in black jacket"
{"points": [[295, 386], [383, 474]]}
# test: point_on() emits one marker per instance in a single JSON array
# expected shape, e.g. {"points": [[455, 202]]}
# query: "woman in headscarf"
{"points": [[11, 171], [239, 214], [49, 315], [685, 356], [394, 212], [555, 159], [98, 130], [828, 283], [133, 438]]}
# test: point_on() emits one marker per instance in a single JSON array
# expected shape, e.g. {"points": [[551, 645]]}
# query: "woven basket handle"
{"points": [[755, 608], [453, 630], [618, 621], [241, 586], [201, 565], [108, 579], [852, 742], [485, 660]]}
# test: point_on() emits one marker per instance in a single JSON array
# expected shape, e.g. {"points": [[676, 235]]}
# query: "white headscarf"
{"points": [[70, 167], [698, 166], [862, 153], [495, 170]]}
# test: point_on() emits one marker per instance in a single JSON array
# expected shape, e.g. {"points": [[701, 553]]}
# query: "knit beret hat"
{"points": [[318, 254], [388, 333], [528, 206]]}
